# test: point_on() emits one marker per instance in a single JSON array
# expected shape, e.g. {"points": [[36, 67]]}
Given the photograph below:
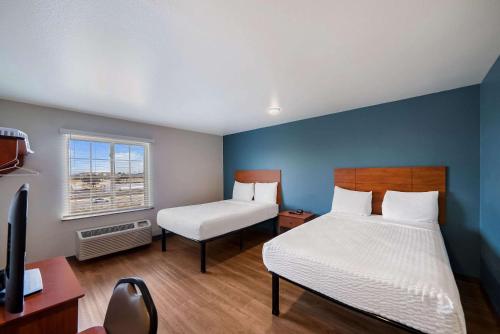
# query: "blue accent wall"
{"points": [[435, 129], [490, 184]]}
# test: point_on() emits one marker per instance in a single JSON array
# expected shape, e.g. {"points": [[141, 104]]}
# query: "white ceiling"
{"points": [[215, 66]]}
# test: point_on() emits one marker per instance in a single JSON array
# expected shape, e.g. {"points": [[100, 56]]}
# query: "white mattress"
{"points": [[205, 221], [397, 271]]}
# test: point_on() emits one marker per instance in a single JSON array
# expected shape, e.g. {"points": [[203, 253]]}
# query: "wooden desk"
{"points": [[54, 310]]}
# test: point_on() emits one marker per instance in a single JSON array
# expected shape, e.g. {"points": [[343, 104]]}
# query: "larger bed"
{"points": [[390, 270], [205, 222]]}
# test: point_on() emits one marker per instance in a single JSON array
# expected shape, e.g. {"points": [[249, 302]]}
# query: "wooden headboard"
{"points": [[264, 176], [379, 180]]}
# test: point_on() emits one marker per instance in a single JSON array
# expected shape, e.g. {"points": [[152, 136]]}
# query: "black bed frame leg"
{"points": [[241, 240], [163, 240], [203, 250], [276, 227], [276, 294]]}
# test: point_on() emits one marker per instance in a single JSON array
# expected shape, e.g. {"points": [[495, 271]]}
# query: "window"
{"points": [[105, 175]]}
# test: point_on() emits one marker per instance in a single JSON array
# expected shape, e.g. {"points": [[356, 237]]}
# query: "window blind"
{"points": [[105, 175]]}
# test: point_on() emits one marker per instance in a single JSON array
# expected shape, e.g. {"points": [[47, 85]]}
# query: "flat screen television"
{"points": [[14, 282]]}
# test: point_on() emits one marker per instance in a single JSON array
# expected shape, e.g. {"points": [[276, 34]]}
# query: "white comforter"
{"points": [[205, 221], [397, 271]]}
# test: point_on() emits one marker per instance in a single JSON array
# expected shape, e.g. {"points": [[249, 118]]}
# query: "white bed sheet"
{"points": [[394, 270], [205, 221]]}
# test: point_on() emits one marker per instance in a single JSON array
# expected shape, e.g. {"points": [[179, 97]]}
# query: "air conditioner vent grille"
{"points": [[110, 239], [106, 230]]}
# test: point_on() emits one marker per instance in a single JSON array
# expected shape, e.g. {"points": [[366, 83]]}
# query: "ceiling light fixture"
{"points": [[274, 111]]}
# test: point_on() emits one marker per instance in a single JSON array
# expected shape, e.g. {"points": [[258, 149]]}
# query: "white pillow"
{"points": [[350, 201], [419, 207], [266, 192], [243, 191]]}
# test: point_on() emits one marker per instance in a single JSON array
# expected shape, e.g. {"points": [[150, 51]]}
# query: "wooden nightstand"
{"points": [[289, 220]]}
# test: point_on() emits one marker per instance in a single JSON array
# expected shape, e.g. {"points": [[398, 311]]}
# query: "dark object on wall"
{"points": [[14, 146], [15, 284], [16, 246], [12, 153]]}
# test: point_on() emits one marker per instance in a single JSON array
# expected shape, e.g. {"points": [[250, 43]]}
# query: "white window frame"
{"points": [[112, 140]]}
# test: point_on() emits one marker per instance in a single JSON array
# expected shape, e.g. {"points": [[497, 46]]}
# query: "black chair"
{"points": [[129, 311]]}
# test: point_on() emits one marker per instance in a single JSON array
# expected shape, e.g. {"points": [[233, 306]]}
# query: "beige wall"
{"points": [[186, 169]]}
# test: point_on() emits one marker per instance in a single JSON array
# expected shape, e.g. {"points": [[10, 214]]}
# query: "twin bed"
{"points": [[385, 268], [206, 222]]}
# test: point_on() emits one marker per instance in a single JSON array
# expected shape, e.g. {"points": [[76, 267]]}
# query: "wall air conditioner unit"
{"points": [[104, 240]]}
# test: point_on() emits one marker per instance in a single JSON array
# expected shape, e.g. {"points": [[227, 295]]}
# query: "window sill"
{"points": [[93, 215]]}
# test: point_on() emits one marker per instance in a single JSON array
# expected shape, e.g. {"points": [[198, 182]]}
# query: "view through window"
{"points": [[106, 176]]}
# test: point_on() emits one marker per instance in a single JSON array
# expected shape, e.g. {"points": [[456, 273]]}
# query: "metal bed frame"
{"points": [[276, 277], [276, 304], [203, 243]]}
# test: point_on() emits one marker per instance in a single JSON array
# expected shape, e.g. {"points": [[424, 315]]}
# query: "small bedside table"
{"points": [[290, 220]]}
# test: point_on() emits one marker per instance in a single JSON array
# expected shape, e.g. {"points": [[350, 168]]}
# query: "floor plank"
{"points": [[235, 293]]}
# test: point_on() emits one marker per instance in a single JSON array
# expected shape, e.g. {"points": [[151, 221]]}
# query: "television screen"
{"points": [[16, 248]]}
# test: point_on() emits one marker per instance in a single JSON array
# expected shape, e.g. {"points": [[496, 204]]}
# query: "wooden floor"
{"points": [[234, 296]]}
